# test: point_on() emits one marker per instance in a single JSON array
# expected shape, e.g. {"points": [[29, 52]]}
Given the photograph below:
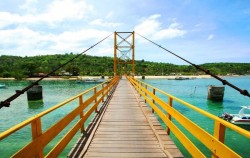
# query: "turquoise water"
{"points": [[195, 92], [54, 92]]}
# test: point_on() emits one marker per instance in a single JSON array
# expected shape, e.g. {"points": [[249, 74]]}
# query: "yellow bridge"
{"points": [[120, 118]]}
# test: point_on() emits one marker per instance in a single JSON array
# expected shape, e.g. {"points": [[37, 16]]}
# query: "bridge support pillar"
{"points": [[35, 93], [216, 93]]}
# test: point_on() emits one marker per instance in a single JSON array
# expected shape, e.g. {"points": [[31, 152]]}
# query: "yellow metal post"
{"points": [[140, 89], [170, 103], [95, 90], [82, 112], [36, 127], [153, 100], [115, 54], [133, 53], [219, 133], [103, 93]]}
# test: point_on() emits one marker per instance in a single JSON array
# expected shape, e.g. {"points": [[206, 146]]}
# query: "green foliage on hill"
{"points": [[20, 67]]}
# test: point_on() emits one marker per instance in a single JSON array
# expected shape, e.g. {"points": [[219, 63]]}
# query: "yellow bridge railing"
{"points": [[41, 138], [166, 111]]}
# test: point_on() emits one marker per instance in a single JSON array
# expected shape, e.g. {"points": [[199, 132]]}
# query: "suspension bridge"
{"points": [[120, 118]]}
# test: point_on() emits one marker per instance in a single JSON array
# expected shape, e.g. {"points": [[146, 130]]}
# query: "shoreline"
{"points": [[173, 76], [75, 78]]}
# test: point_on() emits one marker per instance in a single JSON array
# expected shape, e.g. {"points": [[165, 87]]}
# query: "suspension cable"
{"points": [[224, 82], [6, 103]]}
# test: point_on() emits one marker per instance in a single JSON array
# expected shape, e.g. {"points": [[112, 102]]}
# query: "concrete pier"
{"points": [[216, 93], [35, 93]]}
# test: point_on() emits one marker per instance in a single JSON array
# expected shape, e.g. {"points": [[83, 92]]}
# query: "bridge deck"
{"points": [[128, 129]]}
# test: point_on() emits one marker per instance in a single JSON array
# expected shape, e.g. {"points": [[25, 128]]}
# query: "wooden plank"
{"points": [[127, 132], [143, 155], [124, 130], [112, 123], [124, 142], [125, 150], [144, 146], [125, 127], [125, 138]]}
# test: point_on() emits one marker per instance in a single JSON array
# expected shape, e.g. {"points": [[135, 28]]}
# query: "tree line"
{"points": [[35, 66]]}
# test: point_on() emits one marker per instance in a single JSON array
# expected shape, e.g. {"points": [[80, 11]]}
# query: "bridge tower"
{"points": [[124, 53]]}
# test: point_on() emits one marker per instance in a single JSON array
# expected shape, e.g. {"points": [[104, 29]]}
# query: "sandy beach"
{"points": [[173, 77], [106, 77]]}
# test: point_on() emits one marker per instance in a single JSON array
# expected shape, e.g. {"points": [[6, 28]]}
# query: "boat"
{"points": [[239, 119], [90, 80], [2, 86], [181, 78]]}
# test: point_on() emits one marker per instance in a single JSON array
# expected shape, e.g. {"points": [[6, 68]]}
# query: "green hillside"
{"points": [[19, 67]]}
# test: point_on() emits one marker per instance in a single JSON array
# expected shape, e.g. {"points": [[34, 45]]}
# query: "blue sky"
{"points": [[200, 31]]}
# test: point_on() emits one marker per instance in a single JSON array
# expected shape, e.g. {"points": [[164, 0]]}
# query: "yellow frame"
{"points": [[41, 139], [213, 142], [118, 45]]}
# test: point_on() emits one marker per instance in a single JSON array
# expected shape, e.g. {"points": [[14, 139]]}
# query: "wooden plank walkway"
{"points": [[129, 129]]}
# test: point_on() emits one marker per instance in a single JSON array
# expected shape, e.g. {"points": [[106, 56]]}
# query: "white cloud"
{"points": [[56, 11], [152, 28], [20, 33], [7, 18], [210, 37], [148, 26], [174, 30], [77, 40], [28, 42], [100, 22], [23, 41], [60, 10]]}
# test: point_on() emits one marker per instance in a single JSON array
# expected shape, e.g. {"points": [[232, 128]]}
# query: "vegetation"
{"points": [[20, 67]]}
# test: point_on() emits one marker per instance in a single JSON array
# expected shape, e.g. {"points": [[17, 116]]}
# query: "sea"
{"points": [[194, 91]]}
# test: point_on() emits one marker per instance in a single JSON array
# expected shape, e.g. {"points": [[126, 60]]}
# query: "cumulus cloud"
{"points": [[77, 39], [148, 26], [7, 19], [28, 42], [152, 28], [60, 10], [23, 32], [23, 41], [56, 11]]}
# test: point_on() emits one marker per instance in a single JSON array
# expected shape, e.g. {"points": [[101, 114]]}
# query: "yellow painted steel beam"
{"points": [[115, 54], [40, 140], [192, 149], [213, 117], [215, 145], [133, 54], [131, 49], [28, 121], [66, 139], [36, 127]]}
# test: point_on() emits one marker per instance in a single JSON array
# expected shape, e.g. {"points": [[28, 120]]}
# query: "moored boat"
{"points": [[90, 80], [182, 78], [2, 86], [240, 119]]}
